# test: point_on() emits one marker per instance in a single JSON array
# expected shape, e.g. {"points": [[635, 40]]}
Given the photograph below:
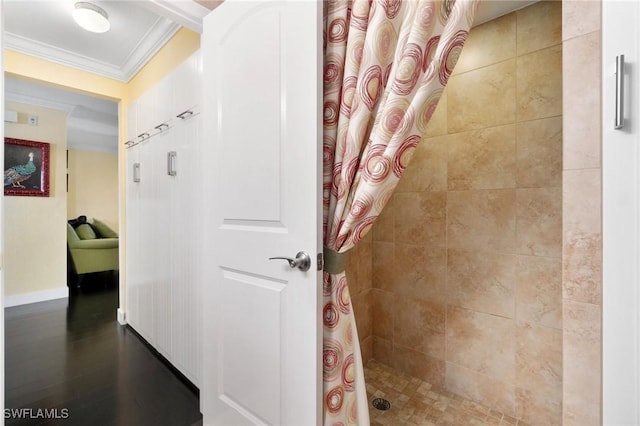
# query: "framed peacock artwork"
{"points": [[26, 168]]}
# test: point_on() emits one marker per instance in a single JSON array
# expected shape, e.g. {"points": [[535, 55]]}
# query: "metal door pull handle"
{"points": [[136, 172], [619, 118], [171, 163], [302, 261]]}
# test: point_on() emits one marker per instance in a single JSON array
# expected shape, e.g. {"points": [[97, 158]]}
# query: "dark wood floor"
{"points": [[73, 355]]}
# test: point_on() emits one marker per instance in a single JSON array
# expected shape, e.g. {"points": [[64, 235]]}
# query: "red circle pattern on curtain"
{"points": [[386, 63]]}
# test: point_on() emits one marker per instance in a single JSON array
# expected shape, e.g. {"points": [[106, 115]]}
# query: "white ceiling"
{"points": [[46, 29]]}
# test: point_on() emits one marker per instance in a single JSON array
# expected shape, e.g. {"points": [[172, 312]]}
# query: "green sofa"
{"points": [[93, 248]]}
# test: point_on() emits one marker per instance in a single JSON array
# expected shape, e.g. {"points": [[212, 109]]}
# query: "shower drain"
{"points": [[381, 404]]}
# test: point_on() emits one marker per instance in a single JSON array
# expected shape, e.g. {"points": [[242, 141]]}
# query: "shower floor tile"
{"points": [[415, 402]]}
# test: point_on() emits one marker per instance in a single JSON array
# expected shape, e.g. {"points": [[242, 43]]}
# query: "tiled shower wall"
{"points": [[359, 269], [582, 213], [467, 273]]}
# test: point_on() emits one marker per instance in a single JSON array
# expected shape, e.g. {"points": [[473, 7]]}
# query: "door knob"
{"points": [[302, 261]]}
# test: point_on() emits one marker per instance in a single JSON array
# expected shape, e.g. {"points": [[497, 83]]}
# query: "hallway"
{"points": [[72, 354]]}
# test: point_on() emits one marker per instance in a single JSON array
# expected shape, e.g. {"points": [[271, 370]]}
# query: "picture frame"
{"points": [[26, 168]]}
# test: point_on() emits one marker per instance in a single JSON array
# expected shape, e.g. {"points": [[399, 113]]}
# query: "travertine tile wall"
{"points": [[359, 277], [467, 269], [582, 214]]}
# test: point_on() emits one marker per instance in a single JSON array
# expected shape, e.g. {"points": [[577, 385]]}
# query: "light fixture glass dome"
{"points": [[91, 17]]}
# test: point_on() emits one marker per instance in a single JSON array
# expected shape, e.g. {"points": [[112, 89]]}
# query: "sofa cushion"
{"points": [[85, 232], [103, 230]]}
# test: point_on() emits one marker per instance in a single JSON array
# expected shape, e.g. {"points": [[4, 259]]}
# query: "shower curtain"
{"points": [[386, 63]]}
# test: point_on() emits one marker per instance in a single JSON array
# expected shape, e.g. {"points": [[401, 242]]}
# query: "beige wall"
{"points": [[467, 257], [93, 186], [34, 231], [582, 218], [175, 52]]}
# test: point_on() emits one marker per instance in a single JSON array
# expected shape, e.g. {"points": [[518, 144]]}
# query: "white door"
{"points": [[262, 157], [187, 223], [621, 217]]}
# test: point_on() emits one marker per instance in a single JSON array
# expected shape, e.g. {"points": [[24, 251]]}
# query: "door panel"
{"points": [[264, 328], [262, 335], [132, 223], [186, 226], [261, 188], [621, 218], [160, 146]]}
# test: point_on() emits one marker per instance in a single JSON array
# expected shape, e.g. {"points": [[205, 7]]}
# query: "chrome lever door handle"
{"points": [[302, 261]]}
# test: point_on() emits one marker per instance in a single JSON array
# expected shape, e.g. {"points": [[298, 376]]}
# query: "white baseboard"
{"points": [[122, 317], [36, 296]]}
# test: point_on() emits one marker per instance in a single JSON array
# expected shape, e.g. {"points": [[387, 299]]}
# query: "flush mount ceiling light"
{"points": [[91, 17]]}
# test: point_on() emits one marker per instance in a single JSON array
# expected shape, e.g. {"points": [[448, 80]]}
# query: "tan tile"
{"points": [[582, 201], [382, 350], [382, 314], [509, 420], [383, 227], [420, 272], [539, 291], [482, 98], [364, 263], [358, 268], [361, 304], [576, 412], [427, 170], [482, 220], [539, 84], [482, 281], [582, 267], [580, 17], [420, 314], [480, 388], [582, 352], [420, 218], [539, 359], [539, 221], [493, 422], [482, 159], [383, 266], [481, 342], [539, 26], [366, 349], [475, 409], [489, 43], [425, 340], [539, 153], [538, 408], [582, 102], [418, 365]]}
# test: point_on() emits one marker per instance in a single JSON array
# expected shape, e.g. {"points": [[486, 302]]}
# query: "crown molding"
{"points": [[157, 36], [187, 13], [37, 101], [60, 56], [154, 39]]}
